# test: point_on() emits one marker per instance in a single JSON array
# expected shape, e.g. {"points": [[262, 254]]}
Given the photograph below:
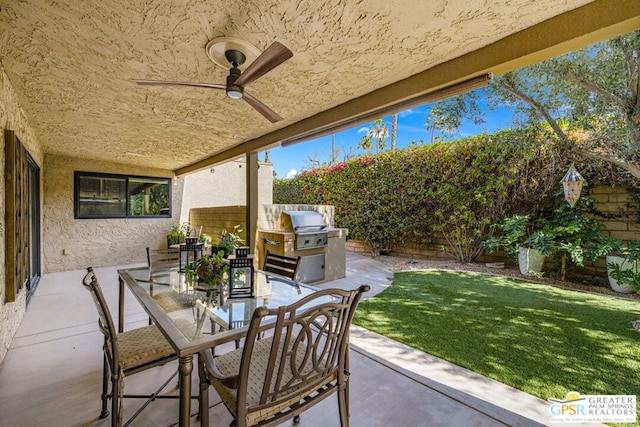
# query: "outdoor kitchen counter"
{"points": [[283, 243], [290, 235]]}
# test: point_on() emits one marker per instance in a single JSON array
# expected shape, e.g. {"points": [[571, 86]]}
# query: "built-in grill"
{"points": [[308, 226], [307, 233]]}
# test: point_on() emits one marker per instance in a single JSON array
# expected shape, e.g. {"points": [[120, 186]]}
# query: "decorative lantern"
{"points": [[240, 276], [242, 251], [572, 184]]}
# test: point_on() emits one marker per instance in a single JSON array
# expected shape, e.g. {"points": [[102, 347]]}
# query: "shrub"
{"points": [[453, 190]]}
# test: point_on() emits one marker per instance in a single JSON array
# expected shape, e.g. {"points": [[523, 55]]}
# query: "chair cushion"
{"points": [[229, 364], [142, 346]]}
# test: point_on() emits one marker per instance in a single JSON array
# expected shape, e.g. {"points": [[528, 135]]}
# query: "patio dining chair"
{"points": [[281, 265], [158, 260], [125, 354], [162, 258], [195, 233], [303, 360]]}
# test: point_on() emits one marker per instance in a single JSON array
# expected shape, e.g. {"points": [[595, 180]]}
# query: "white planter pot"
{"points": [[625, 266], [530, 261]]}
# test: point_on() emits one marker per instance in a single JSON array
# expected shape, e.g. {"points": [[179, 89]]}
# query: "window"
{"points": [[98, 195]]}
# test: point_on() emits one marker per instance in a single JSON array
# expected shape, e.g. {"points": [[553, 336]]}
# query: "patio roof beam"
{"points": [[251, 199]]}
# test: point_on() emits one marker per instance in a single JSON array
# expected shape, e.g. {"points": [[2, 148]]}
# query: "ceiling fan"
{"points": [[272, 56]]}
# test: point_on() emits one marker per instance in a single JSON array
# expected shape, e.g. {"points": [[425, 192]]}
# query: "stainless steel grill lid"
{"points": [[308, 226], [302, 221]]}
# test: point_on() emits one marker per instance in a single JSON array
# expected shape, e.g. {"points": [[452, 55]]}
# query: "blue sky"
{"points": [[293, 159]]}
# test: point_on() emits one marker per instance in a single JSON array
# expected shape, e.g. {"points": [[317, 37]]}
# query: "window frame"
{"points": [[78, 175]]}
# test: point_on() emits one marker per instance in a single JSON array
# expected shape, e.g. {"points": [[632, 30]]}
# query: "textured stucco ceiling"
{"points": [[71, 63]]}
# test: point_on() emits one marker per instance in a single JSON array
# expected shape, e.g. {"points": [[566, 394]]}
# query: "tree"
{"points": [[334, 152], [365, 143], [446, 116], [439, 119], [314, 161], [590, 98], [378, 132], [394, 130]]}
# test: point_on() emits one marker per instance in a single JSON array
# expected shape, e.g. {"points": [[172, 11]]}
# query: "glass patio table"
{"points": [[196, 317]]}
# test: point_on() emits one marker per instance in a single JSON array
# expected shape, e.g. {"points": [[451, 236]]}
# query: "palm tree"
{"points": [[379, 133], [394, 130], [365, 142], [334, 153]]}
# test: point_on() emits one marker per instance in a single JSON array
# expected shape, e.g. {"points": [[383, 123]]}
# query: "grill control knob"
{"points": [[306, 242]]}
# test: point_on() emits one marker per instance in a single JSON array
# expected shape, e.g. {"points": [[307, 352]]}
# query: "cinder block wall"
{"points": [[617, 203], [623, 224], [214, 220], [624, 209]]}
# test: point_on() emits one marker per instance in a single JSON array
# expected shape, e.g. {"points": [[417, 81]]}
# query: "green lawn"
{"points": [[537, 338]]}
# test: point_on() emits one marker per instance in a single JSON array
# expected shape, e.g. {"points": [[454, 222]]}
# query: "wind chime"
{"points": [[572, 184]]}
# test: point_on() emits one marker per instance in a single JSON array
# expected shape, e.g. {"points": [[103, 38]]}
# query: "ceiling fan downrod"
{"points": [[236, 59]]}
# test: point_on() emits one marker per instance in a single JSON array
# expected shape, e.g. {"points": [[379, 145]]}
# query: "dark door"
{"points": [[34, 228]]}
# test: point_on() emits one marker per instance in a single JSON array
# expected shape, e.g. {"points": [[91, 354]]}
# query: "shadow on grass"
{"points": [[540, 339]]}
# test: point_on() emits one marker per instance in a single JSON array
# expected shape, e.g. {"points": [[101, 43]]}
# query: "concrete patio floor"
{"points": [[51, 375]]}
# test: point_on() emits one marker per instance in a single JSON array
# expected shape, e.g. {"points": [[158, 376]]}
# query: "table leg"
{"points": [[203, 399], [121, 305], [185, 368]]}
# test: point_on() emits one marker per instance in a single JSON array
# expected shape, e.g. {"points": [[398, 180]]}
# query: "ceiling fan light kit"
{"points": [[235, 92], [234, 54]]}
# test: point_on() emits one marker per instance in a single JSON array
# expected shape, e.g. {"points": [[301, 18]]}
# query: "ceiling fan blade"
{"points": [[267, 112], [171, 83], [272, 56]]}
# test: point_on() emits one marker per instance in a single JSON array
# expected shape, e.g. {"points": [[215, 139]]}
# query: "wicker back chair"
{"points": [[125, 354], [281, 265], [303, 360]]}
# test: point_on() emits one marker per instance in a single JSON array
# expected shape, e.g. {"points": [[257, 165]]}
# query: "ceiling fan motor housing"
{"points": [[233, 90]]}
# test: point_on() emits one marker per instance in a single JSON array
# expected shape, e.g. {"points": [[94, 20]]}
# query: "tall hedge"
{"points": [[456, 190]]}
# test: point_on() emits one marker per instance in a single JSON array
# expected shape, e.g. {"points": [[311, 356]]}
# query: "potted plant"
{"points": [[567, 232], [205, 238], [577, 238], [229, 241], [624, 270], [209, 269], [532, 253], [177, 234], [529, 249]]}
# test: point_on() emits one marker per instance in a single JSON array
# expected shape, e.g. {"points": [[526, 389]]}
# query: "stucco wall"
{"points": [[13, 118], [224, 185], [72, 244]]}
